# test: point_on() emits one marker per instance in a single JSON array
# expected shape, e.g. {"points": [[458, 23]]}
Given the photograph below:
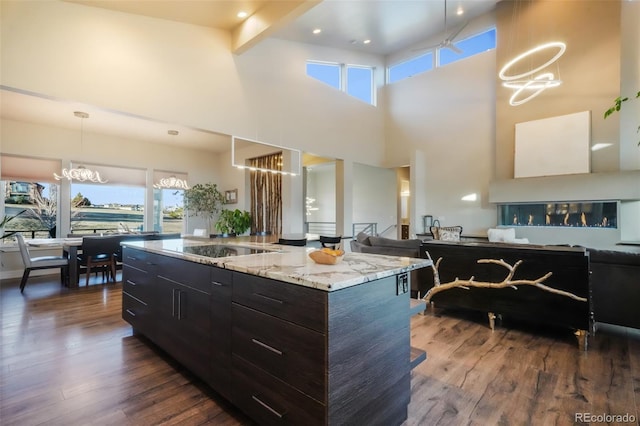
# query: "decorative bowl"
{"points": [[326, 256]]}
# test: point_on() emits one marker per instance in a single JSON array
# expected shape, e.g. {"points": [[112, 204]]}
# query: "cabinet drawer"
{"points": [[269, 401], [221, 283], [190, 274], [301, 305], [140, 259], [137, 282], [294, 354], [138, 314]]}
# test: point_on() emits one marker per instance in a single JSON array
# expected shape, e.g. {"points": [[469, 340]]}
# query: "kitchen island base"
{"points": [[282, 353]]}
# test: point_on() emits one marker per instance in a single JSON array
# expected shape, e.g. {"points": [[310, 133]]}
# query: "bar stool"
{"points": [[299, 242], [331, 242]]}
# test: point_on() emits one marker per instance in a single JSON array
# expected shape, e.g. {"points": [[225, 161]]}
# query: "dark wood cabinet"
{"points": [[184, 325], [220, 317], [138, 291], [183, 307], [284, 353], [347, 351]]}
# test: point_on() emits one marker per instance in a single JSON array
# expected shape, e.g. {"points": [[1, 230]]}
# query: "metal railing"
{"points": [[367, 228], [388, 228], [28, 233], [320, 228]]}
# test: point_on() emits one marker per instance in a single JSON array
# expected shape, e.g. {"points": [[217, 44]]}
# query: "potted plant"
{"points": [[617, 104], [233, 222], [205, 200]]}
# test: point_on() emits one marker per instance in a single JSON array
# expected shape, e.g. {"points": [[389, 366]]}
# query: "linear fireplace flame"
{"points": [[590, 214]]}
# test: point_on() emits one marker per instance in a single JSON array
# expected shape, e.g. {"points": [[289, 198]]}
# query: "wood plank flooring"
{"points": [[67, 358]]}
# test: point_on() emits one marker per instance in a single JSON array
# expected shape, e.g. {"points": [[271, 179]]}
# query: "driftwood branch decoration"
{"points": [[507, 282]]}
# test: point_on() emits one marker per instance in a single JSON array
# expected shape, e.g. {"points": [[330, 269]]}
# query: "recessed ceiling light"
{"points": [[460, 11], [242, 14], [367, 41], [317, 31]]}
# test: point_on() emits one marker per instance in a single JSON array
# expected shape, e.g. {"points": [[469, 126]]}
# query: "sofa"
{"points": [[561, 268], [615, 285], [365, 243]]}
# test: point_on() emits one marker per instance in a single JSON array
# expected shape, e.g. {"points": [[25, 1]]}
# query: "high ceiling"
{"points": [[390, 25]]}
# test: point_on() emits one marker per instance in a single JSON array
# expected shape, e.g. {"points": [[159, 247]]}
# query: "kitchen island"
{"points": [[284, 339]]}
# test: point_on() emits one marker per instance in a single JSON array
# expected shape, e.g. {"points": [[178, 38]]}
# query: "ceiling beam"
{"points": [[271, 17]]}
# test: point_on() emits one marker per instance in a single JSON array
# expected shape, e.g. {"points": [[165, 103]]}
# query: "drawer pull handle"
{"points": [[130, 312], [264, 345], [265, 405], [131, 282], [132, 258], [271, 299], [217, 283]]}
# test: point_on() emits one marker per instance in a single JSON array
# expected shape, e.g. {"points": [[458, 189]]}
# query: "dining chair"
{"points": [[330, 242], [98, 254], [42, 262], [300, 242]]}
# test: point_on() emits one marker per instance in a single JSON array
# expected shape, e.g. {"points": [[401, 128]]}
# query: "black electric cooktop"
{"points": [[220, 250]]}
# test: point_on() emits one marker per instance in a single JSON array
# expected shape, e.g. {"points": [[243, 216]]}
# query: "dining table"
{"points": [[70, 247]]}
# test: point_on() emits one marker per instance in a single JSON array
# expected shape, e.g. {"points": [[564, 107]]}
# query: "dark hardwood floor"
{"points": [[67, 358]]}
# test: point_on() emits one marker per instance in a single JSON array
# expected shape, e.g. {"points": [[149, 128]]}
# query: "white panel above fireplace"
{"points": [[553, 146]]}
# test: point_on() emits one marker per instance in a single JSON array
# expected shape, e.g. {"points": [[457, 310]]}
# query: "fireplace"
{"points": [[587, 214]]}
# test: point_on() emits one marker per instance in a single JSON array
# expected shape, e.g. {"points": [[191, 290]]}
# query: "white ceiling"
{"points": [[391, 25]]}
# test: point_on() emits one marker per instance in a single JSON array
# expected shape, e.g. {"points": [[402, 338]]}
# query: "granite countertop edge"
{"points": [[288, 263]]}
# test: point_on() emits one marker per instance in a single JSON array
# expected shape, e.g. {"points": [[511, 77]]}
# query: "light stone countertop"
{"points": [[288, 263]]}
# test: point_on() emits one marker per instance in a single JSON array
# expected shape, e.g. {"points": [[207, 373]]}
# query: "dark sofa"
{"points": [[365, 243], [615, 283], [379, 245]]}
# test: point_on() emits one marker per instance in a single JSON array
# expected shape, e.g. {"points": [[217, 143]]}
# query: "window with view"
{"points": [[470, 46], [360, 83], [168, 210], [30, 197], [355, 80], [328, 73], [410, 68], [100, 208], [32, 207]]}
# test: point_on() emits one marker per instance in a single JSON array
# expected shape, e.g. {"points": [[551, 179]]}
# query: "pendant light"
{"points": [[80, 173]]}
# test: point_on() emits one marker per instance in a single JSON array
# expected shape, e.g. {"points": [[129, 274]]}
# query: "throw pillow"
{"points": [[446, 235], [363, 238], [501, 235]]}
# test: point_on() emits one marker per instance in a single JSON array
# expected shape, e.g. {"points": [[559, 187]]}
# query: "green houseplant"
{"points": [[204, 200], [617, 104], [233, 222]]}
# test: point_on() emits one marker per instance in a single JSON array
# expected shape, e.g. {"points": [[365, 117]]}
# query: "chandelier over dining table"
{"points": [[80, 173]]}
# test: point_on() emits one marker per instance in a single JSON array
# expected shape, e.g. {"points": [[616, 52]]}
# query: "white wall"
{"points": [[186, 74], [375, 196], [448, 114]]}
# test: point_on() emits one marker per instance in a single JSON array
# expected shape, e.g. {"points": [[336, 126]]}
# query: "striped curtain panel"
{"points": [[266, 194]]}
